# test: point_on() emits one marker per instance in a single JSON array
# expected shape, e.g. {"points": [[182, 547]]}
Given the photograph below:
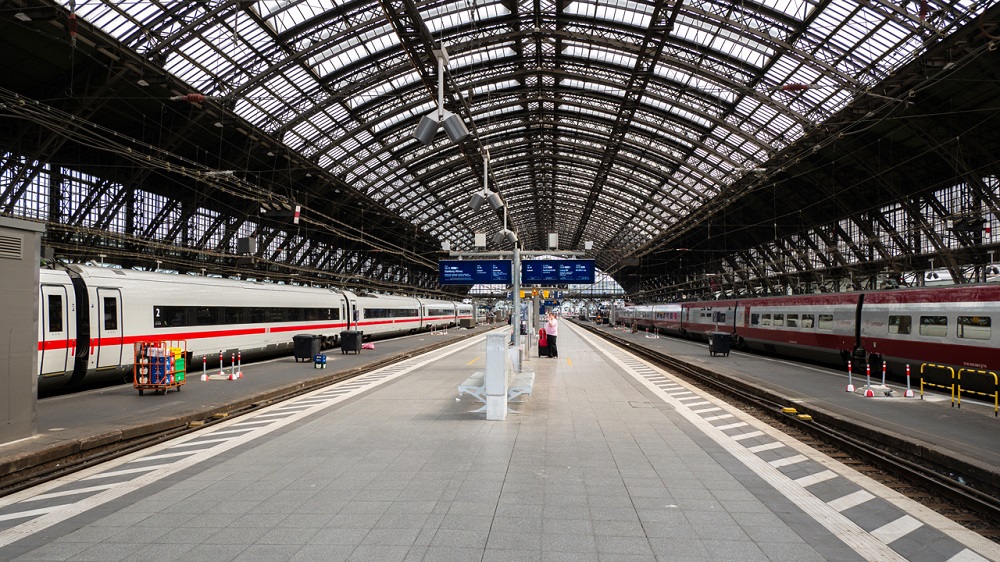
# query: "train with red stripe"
{"points": [[90, 317], [946, 332]]}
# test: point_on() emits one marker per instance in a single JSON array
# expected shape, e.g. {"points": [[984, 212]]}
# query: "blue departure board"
{"points": [[557, 271], [474, 272]]}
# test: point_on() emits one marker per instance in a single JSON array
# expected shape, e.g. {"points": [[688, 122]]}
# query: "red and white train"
{"points": [[950, 328], [90, 317]]}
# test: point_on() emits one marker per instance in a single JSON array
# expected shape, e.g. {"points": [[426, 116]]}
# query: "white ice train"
{"points": [[90, 317]]}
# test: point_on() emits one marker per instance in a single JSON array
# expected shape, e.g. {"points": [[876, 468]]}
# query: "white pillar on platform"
{"points": [[496, 377]]}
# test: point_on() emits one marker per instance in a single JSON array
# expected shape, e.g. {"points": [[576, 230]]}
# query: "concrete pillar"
{"points": [[20, 249]]}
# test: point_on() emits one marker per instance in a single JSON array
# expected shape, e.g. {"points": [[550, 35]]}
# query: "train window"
{"points": [[110, 313], [792, 321], [779, 320], [206, 316], [55, 313], [258, 315], [808, 321], [900, 324], [765, 320], [825, 322], [936, 326], [974, 327], [277, 314], [754, 319], [235, 315]]}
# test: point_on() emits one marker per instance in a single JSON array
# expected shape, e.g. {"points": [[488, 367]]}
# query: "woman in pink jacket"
{"points": [[551, 332]]}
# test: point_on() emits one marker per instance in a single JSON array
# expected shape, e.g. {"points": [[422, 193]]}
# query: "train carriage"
{"points": [[90, 317]]}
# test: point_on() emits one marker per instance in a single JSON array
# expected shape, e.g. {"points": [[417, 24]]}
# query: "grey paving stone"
{"points": [[214, 552], [327, 553], [54, 551], [790, 551], [452, 554], [461, 538], [339, 536], [674, 548], [584, 545], [511, 555], [108, 551], [618, 529], [734, 550], [505, 540], [390, 537], [267, 552], [624, 545]]}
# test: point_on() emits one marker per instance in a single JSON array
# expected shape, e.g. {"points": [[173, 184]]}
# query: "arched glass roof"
{"points": [[606, 121]]}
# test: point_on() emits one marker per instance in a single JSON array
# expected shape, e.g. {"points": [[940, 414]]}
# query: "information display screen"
{"points": [[474, 272], [557, 271]]}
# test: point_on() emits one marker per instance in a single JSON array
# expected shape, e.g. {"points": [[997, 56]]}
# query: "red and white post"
{"points": [[850, 383], [239, 364], [909, 391], [222, 364], [204, 367], [232, 367], [883, 373], [869, 393]]}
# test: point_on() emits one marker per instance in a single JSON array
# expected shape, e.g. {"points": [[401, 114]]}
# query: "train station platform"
{"points": [[609, 459], [932, 426]]}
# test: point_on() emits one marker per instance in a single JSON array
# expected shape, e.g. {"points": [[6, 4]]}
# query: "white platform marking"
{"points": [[718, 417], [747, 435], [788, 461], [703, 410], [732, 425], [966, 556], [897, 529], [125, 472], [766, 447], [816, 478], [851, 500]]}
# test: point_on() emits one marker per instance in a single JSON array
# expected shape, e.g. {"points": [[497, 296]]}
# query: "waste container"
{"points": [[719, 343], [306, 346], [350, 340], [466, 323]]}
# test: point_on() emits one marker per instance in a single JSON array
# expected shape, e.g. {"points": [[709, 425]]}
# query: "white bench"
{"points": [[517, 385]]}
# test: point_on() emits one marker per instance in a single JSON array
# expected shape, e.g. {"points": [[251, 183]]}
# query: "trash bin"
{"points": [[350, 340], [719, 343], [307, 346]]}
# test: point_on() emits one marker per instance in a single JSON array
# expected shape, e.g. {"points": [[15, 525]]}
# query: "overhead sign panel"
{"points": [[474, 272], [557, 271]]}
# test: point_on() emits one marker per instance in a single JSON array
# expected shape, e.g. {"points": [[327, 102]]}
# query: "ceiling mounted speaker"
{"points": [[478, 198], [495, 201], [426, 129], [455, 127]]}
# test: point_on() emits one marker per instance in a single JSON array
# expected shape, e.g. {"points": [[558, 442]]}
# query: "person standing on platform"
{"points": [[551, 332]]}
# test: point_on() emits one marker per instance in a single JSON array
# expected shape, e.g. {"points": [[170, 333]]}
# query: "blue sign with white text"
{"points": [[557, 271], [474, 272]]}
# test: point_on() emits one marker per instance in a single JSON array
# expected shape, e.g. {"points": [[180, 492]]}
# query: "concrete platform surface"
{"points": [[609, 459]]}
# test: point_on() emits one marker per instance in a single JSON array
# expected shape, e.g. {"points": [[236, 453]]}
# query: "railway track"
{"points": [[885, 460]]}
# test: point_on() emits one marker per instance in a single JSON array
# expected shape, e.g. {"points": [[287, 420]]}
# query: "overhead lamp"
{"points": [[22, 16], [445, 246], [588, 245], [553, 240]]}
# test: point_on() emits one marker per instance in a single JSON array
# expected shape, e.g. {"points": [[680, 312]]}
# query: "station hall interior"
{"points": [[693, 149], [193, 191]]}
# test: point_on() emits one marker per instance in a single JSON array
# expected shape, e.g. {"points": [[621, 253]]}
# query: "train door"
{"points": [[109, 328], [55, 346]]}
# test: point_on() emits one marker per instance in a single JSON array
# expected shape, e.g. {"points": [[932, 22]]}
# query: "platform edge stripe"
{"points": [[975, 542], [766, 447], [28, 528], [789, 461], [967, 556], [73, 492], [746, 435], [816, 478], [29, 513], [897, 529], [843, 528]]}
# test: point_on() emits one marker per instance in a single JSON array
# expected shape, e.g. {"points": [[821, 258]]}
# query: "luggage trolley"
{"points": [[159, 365]]}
